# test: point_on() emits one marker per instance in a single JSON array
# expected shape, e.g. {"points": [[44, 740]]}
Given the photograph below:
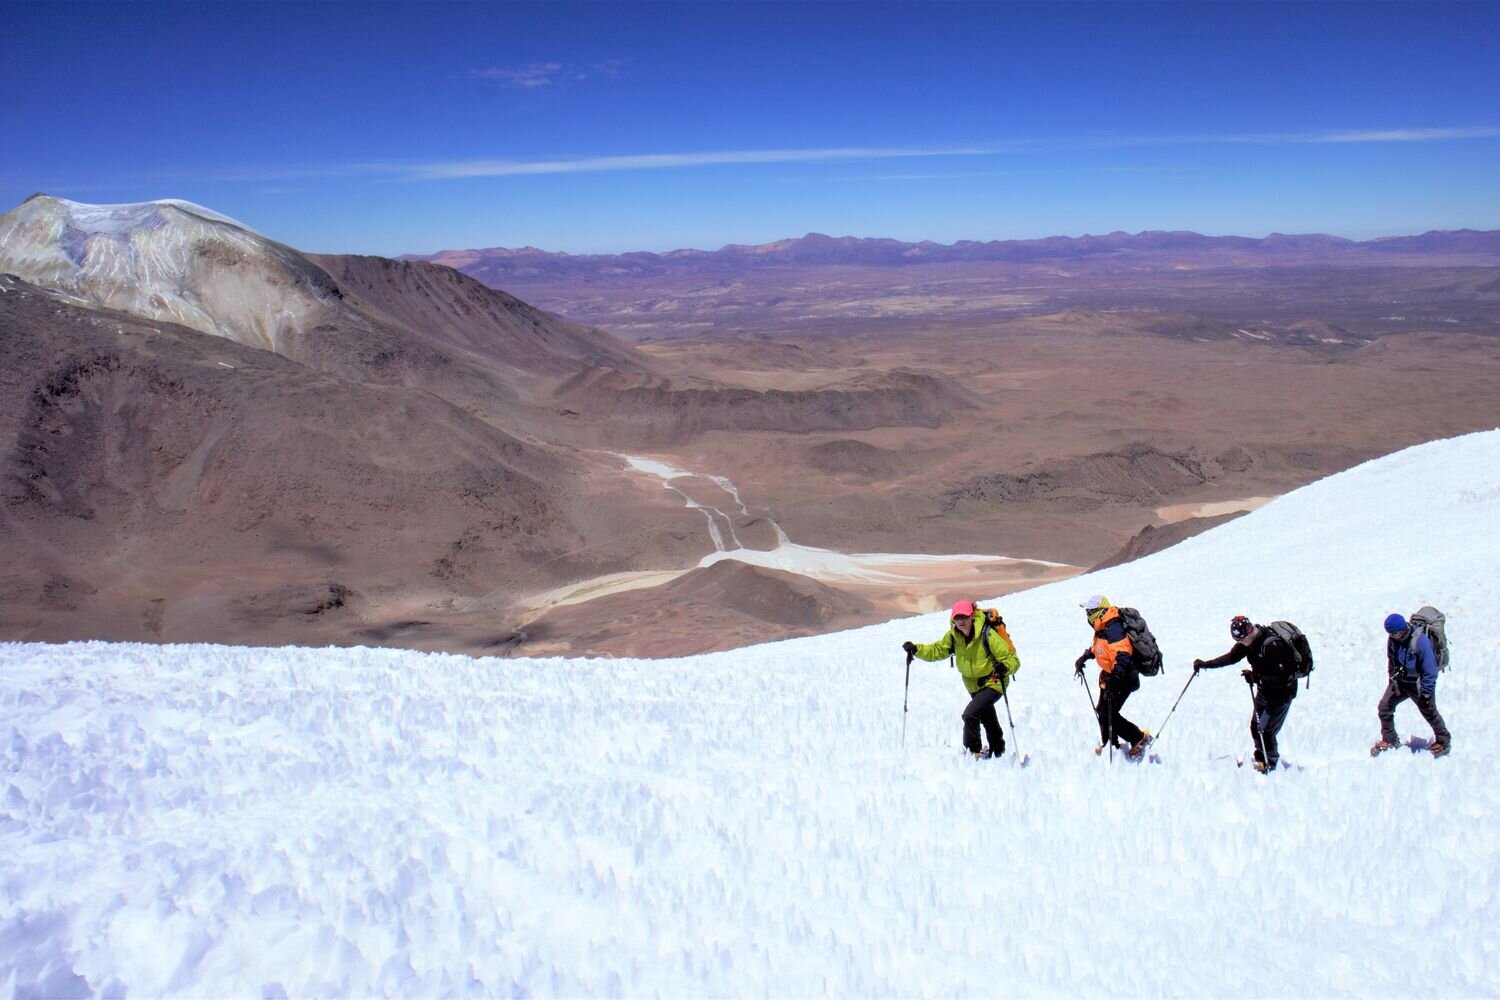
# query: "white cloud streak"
{"points": [[1351, 136], [535, 76], [520, 77], [461, 169], [668, 161], [1408, 135]]}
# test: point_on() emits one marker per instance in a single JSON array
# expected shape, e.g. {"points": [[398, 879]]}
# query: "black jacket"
{"points": [[1271, 659]]}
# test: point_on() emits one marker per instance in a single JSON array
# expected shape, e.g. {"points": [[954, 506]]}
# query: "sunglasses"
{"points": [[962, 618]]}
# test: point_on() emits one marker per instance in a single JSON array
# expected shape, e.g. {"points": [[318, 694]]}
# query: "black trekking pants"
{"points": [[1399, 690], [1266, 719], [1114, 688], [981, 712]]}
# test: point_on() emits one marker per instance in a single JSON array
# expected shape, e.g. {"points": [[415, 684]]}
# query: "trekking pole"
{"points": [[1157, 737], [1006, 695], [905, 697], [1094, 707], [1113, 710], [1088, 694], [1111, 727], [1255, 719]]}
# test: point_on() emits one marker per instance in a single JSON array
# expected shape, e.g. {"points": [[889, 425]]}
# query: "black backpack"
{"points": [[1302, 658], [1147, 654], [1430, 622]]}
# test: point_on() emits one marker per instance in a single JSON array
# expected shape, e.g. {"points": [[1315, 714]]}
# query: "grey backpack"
{"points": [[1302, 658], [1430, 621], [1147, 652]]}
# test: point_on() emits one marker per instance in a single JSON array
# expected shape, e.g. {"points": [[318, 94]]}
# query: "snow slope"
{"points": [[217, 821]]}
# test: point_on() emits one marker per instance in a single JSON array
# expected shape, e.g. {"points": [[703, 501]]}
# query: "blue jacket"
{"points": [[1413, 659]]}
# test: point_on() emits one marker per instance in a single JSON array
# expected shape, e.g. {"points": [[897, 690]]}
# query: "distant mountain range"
{"points": [[496, 264]]}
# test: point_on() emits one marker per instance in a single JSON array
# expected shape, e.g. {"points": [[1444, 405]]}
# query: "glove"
{"points": [[910, 647], [1426, 692], [1249, 675], [1078, 663], [1197, 665]]}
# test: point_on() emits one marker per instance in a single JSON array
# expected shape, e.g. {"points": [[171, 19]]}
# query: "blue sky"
{"points": [[596, 127]]}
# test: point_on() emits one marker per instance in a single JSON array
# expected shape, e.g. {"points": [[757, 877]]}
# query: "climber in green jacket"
{"points": [[986, 661]]}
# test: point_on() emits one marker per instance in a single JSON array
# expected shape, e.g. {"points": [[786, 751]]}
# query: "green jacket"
{"points": [[974, 665]]}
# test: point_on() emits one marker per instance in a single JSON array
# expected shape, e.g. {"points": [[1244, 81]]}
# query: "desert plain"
{"points": [[519, 453]]}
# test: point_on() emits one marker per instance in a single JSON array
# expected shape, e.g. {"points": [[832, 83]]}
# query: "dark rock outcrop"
{"points": [[1155, 538]]}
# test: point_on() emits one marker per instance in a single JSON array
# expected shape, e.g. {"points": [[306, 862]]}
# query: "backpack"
{"points": [[1147, 652], [1302, 658], [1431, 622], [994, 623]]}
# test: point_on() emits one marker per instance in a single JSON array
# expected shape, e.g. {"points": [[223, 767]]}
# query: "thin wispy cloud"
{"points": [[1408, 135], [457, 169], [612, 68], [520, 77], [1013, 172], [536, 76], [669, 161], [1330, 136], [479, 168], [936, 175]]}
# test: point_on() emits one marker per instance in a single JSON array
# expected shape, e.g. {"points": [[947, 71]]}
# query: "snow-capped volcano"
{"points": [[122, 218], [169, 261], [202, 820], [176, 262]]}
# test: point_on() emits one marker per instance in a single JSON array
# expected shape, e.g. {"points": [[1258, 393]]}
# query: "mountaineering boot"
{"points": [[1138, 748], [1262, 767], [1384, 745], [1438, 748]]}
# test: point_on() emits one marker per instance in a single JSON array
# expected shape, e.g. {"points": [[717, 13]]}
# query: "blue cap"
{"points": [[1395, 623]]}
